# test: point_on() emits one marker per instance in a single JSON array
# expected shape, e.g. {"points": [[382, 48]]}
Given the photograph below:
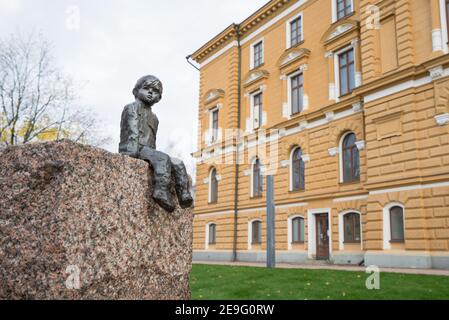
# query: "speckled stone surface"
{"points": [[66, 207]]}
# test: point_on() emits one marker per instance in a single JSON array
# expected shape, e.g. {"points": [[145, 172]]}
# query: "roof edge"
{"points": [[259, 17]]}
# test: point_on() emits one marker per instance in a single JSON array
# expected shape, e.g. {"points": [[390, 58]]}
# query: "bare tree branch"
{"points": [[36, 100]]}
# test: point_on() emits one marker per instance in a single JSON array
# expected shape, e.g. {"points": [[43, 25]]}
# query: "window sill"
{"points": [[256, 197], [297, 191], [397, 241], [351, 242], [258, 67], [346, 95], [296, 114], [296, 45], [349, 183], [298, 243], [345, 17]]}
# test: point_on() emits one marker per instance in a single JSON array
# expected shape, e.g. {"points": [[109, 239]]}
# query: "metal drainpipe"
{"points": [[236, 186], [189, 62]]}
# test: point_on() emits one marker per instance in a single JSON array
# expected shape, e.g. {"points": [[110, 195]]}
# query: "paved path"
{"points": [[329, 267]]}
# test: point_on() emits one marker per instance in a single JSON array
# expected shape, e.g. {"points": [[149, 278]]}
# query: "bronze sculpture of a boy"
{"points": [[138, 139]]}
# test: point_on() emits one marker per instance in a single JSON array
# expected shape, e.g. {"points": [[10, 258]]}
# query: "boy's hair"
{"points": [[155, 82]]}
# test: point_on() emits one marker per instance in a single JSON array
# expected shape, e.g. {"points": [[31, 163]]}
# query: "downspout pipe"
{"points": [[237, 160], [188, 58]]}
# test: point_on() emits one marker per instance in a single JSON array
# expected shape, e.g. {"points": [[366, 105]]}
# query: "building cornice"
{"points": [[219, 41], [260, 17]]}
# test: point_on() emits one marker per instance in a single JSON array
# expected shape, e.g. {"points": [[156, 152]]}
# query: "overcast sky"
{"points": [[117, 41]]}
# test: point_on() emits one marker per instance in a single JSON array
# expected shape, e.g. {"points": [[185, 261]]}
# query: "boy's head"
{"points": [[148, 89]]}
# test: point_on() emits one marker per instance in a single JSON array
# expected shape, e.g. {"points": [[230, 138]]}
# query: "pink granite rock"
{"points": [[70, 212]]}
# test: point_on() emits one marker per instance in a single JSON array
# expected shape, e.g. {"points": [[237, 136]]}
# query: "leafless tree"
{"points": [[37, 101]]}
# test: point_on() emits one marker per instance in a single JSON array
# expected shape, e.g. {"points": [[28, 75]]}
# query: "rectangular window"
{"points": [[344, 8], [257, 180], [297, 92], [346, 71], [258, 54], [298, 230], [257, 234], [296, 31], [257, 110], [212, 234], [397, 224], [214, 125], [352, 228]]}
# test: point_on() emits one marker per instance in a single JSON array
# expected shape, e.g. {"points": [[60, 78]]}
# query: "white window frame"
{"points": [[334, 9], [210, 183], [444, 31], [253, 162], [251, 60], [337, 69], [208, 132], [387, 225], [252, 115], [291, 165], [213, 133], [341, 228], [250, 232], [289, 94], [290, 229], [207, 234], [211, 121], [289, 29], [340, 153]]}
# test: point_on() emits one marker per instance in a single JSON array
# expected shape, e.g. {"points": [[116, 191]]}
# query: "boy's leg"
{"points": [[182, 183], [162, 176]]}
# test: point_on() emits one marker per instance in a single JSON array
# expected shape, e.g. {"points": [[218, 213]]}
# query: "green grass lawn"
{"points": [[234, 283]]}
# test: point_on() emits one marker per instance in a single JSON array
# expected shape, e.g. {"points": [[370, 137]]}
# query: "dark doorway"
{"points": [[322, 237]]}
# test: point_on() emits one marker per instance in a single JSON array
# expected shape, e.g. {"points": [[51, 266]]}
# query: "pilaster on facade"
{"points": [[404, 29]]}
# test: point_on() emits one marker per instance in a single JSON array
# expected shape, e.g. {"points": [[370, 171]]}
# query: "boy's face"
{"points": [[148, 94]]}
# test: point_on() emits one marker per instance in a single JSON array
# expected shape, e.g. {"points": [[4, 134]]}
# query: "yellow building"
{"points": [[346, 104]]}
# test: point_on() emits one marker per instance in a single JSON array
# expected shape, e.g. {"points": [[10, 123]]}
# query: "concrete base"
{"points": [[415, 260], [218, 256], [440, 262], [250, 256], [411, 260], [349, 258]]}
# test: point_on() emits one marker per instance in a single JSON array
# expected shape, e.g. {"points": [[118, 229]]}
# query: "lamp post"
{"points": [[271, 236]]}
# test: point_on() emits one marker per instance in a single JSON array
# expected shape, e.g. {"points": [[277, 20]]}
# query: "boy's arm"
{"points": [[129, 133], [156, 126]]}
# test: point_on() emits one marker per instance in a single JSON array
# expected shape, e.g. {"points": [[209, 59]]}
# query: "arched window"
{"points": [[297, 230], [256, 232], [298, 180], [397, 224], [350, 158], [257, 179], [352, 227], [212, 234], [213, 186]]}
